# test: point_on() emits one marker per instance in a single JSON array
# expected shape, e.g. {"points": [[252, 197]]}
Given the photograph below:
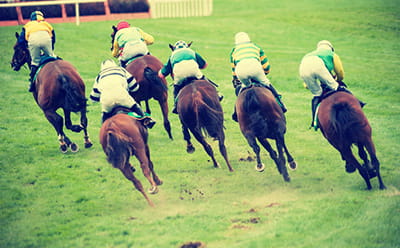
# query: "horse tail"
{"points": [[152, 76], [344, 120], [118, 149], [74, 100], [251, 105], [209, 118]]}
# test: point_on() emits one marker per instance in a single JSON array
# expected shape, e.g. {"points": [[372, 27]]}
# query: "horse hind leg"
{"points": [[375, 163], [144, 164], [292, 163], [186, 136], [156, 179], [350, 159], [57, 121], [222, 149], [127, 171], [279, 158], [251, 140], [200, 138]]}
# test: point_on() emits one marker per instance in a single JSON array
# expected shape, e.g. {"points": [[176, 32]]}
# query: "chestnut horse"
{"points": [[200, 111], [343, 124], [145, 69], [123, 136], [57, 85], [260, 118]]}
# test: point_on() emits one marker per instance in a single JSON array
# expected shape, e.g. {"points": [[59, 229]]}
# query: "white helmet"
{"points": [[107, 64], [324, 44], [241, 37]]}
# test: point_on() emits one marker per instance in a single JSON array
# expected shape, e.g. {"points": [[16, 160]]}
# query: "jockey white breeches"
{"points": [[113, 95], [185, 69], [249, 70], [39, 41], [313, 71], [133, 49]]}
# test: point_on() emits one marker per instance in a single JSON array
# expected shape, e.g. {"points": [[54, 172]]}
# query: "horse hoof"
{"points": [[292, 165], [190, 149], [64, 148], [74, 147], [286, 178], [88, 145], [159, 182], [153, 190], [260, 167]]}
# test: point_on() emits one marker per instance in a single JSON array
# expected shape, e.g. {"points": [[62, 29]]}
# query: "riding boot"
{"points": [[105, 116], [147, 121], [234, 115], [314, 104], [277, 97], [238, 89], [177, 88], [220, 96], [122, 63], [344, 89], [34, 69]]}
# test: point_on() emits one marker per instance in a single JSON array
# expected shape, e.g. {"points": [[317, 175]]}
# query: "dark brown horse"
{"points": [[261, 118], [343, 124], [123, 136], [200, 111], [145, 69], [57, 85]]}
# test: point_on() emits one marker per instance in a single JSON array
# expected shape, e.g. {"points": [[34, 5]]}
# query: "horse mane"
{"points": [[344, 121]]}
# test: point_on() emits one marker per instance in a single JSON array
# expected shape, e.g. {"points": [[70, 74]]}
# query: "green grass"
{"points": [[49, 199]]}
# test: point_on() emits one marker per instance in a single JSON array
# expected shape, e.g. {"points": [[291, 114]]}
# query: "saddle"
{"points": [[127, 111], [43, 61]]}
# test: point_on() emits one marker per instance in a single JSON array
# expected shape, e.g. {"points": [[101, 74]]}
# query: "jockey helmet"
{"points": [[37, 16], [241, 37], [324, 44], [122, 25], [180, 44], [107, 64]]}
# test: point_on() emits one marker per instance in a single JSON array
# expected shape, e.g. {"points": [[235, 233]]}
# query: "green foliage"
{"points": [[49, 199]]}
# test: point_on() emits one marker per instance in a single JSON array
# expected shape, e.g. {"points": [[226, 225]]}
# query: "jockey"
{"points": [[322, 66], [130, 42], [40, 37], [249, 63], [183, 63], [111, 89]]}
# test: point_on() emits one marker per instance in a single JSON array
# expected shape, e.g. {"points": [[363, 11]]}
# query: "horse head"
{"points": [[21, 55], [172, 47], [114, 28]]}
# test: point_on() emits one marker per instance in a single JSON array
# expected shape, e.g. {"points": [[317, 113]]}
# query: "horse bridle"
{"points": [[22, 58]]}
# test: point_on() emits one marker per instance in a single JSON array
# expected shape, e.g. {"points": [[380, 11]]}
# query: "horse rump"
{"points": [[252, 108], [74, 100]]}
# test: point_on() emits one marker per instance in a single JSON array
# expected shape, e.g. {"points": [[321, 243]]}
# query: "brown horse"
{"points": [[57, 85], [123, 136], [261, 118], [145, 69], [343, 124], [200, 111]]}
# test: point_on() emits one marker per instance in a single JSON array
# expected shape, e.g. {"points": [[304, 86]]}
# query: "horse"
{"points": [[144, 69], [260, 118], [123, 136], [343, 123], [57, 85], [200, 111]]}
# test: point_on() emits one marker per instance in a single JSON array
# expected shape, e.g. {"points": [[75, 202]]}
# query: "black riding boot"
{"points": [[34, 69], [123, 63], [344, 89], [238, 89], [147, 121], [105, 116], [234, 115], [278, 98], [220, 96], [177, 88], [314, 104]]}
